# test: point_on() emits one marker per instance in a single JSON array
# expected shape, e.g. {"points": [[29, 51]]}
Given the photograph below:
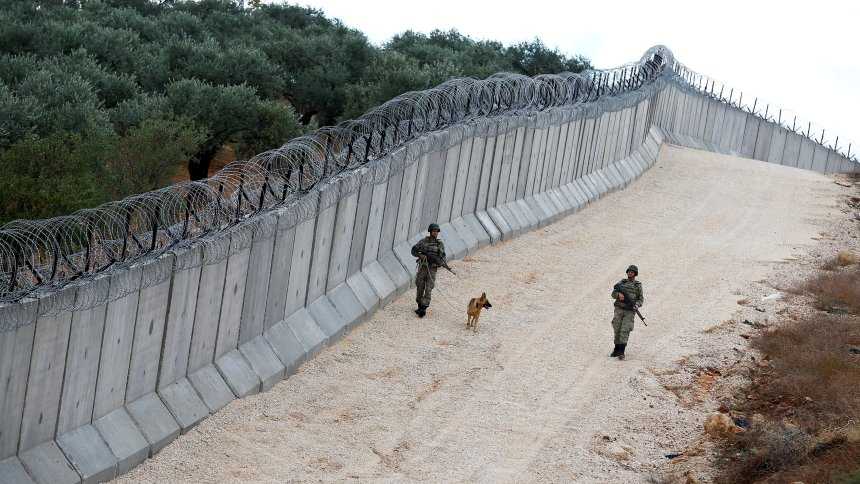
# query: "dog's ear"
{"points": [[483, 295]]}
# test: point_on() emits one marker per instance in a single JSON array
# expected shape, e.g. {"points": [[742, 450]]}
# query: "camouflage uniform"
{"points": [[426, 277], [622, 323]]}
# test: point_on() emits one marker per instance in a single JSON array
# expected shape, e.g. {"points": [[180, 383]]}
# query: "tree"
{"points": [[102, 98], [533, 58], [276, 124], [228, 113], [52, 175], [150, 155]]}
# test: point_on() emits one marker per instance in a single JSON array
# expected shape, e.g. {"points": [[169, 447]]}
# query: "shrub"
{"points": [[835, 292]]}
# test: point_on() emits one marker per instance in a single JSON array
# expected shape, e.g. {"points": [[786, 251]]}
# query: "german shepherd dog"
{"points": [[473, 312]]}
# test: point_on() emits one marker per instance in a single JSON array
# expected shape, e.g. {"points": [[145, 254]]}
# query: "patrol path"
{"points": [[531, 396]]}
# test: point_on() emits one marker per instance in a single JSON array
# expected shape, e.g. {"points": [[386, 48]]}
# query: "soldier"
{"points": [[628, 296], [430, 252]]}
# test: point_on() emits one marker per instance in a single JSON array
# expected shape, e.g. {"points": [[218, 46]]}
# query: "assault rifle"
{"points": [[438, 261], [628, 302]]}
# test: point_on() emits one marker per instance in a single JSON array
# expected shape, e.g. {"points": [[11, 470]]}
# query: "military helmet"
{"points": [[633, 268], [433, 227]]}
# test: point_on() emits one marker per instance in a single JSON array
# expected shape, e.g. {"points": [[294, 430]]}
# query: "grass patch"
{"points": [[842, 259], [813, 375], [806, 408], [835, 292]]}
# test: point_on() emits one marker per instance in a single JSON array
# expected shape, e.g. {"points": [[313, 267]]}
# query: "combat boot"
{"points": [[614, 351], [421, 311], [621, 351]]}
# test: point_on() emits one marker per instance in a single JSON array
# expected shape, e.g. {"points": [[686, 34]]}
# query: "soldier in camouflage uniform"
{"points": [[629, 295], [430, 252]]}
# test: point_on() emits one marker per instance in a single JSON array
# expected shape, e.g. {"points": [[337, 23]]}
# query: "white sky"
{"points": [[800, 56]]}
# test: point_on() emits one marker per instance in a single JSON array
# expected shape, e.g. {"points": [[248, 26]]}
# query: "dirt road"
{"points": [[533, 396]]}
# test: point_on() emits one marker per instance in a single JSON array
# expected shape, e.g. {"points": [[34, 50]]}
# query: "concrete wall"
{"points": [[85, 396], [694, 120]]}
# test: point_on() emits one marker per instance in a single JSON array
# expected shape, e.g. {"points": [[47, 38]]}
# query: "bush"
{"points": [[835, 292], [767, 448], [150, 155], [52, 175], [811, 358]]}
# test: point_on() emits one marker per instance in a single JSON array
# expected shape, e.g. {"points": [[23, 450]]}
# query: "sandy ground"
{"points": [[533, 396]]}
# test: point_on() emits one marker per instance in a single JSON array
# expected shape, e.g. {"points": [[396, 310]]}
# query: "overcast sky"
{"points": [[801, 56]]}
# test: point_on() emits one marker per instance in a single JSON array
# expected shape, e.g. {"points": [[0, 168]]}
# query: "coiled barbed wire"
{"points": [[39, 257], [70, 257]]}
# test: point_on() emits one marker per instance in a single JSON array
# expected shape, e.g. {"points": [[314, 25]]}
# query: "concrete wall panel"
{"points": [[149, 330], [234, 292], [473, 176], [82, 362], [47, 366], [750, 136], [420, 213], [407, 199], [204, 335], [449, 183], [763, 141], [257, 281], [341, 245], [792, 149], [180, 317], [359, 232], [500, 151], [807, 149], [279, 277], [522, 168], [433, 191], [389, 216], [777, 145], [485, 175], [321, 251], [461, 177], [16, 348], [117, 341], [374, 223], [819, 159]]}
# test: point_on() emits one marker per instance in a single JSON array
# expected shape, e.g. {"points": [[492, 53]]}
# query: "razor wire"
{"points": [[763, 110], [63, 263]]}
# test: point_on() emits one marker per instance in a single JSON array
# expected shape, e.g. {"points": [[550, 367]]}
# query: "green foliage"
{"points": [[105, 79], [54, 175], [64, 172], [533, 58], [150, 155], [276, 124]]}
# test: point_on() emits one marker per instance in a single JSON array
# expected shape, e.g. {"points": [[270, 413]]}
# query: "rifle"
{"points": [[628, 304], [438, 261]]}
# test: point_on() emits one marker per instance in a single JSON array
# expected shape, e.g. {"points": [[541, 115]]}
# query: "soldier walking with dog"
{"points": [[430, 252], [628, 297]]}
